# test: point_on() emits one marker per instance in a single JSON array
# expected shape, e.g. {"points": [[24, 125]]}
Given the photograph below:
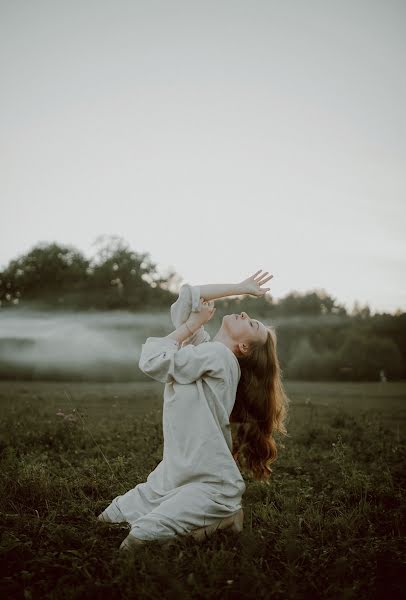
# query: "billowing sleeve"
{"points": [[165, 361], [188, 301]]}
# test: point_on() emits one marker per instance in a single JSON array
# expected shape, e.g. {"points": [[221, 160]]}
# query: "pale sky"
{"points": [[222, 137]]}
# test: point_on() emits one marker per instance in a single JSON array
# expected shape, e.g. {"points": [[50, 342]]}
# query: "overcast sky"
{"points": [[222, 137]]}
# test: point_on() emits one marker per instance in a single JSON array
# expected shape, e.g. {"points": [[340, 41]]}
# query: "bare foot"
{"points": [[233, 523], [104, 518], [130, 543]]}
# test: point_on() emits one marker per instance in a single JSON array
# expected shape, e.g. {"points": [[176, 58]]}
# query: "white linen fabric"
{"points": [[198, 481]]}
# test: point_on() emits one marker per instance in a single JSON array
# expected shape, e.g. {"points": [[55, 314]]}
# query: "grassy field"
{"points": [[329, 525]]}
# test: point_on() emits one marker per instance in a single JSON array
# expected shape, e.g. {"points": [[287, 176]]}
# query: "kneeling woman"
{"points": [[210, 384]]}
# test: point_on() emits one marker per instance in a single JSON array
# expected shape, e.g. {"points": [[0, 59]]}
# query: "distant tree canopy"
{"points": [[45, 269], [310, 304], [55, 275], [358, 356]]}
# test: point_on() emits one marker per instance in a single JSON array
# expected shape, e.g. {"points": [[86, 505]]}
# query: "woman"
{"points": [[209, 384]]}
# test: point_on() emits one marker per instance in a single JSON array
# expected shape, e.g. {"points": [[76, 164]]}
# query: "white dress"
{"points": [[198, 481]]}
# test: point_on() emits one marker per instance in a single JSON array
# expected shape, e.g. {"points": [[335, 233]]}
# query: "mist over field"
{"points": [[100, 345], [105, 345], [75, 345]]}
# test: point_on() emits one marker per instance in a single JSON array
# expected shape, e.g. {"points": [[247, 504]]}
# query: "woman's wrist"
{"points": [[191, 328], [180, 334], [187, 327]]}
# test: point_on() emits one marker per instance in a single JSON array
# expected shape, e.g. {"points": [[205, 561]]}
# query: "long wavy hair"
{"points": [[260, 409]]}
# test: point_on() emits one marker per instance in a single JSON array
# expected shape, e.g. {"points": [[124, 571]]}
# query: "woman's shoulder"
{"points": [[226, 352]]}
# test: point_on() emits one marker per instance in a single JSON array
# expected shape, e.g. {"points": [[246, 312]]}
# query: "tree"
{"points": [[314, 303], [115, 277], [365, 355], [122, 277], [363, 312], [47, 269], [308, 364]]}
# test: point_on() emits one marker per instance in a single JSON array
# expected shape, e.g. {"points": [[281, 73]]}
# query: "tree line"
{"points": [[55, 275], [52, 275], [317, 338]]}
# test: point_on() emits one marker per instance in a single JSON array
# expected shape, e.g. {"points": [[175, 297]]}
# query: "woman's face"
{"points": [[241, 328]]}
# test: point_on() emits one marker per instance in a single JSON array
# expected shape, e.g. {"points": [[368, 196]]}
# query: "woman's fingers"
{"points": [[261, 279], [208, 303], [264, 274]]}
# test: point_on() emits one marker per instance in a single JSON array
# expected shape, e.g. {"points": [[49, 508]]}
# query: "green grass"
{"points": [[329, 525]]}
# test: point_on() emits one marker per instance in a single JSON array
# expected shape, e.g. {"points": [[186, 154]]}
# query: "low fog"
{"points": [[106, 345], [99, 346], [76, 345]]}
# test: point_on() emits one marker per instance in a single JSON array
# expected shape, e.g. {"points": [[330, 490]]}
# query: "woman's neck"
{"points": [[222, 337]]}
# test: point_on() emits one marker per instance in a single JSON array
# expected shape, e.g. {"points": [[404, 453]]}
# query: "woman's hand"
{"points": [[206, 312], [252, 285]]}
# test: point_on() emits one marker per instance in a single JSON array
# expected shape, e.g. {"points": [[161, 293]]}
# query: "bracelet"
{"points": [[187, 326]]}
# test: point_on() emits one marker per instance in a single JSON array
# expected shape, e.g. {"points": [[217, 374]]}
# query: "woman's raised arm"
{"points": [[213, 291], [251, 286]]}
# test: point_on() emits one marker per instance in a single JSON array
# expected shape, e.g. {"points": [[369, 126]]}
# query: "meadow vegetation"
{"points": [[328, 525]]}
